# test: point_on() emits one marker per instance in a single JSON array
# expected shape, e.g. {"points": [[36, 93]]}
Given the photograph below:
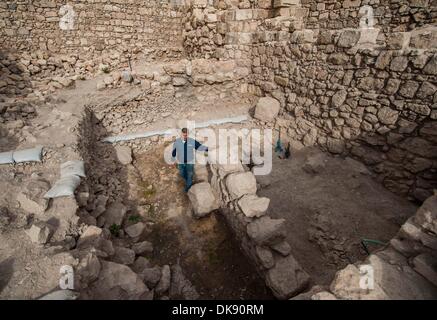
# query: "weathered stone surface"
{"points": [[135, 230], [118, 282], [390, 282], [426, 265], [253, 206], [39, 233], [202, 199], [338, 98], [265, 257], [282, 247], [32, 199], [124, 154], [140, 264], [127, 76], [240, 184], [89, 237], [142, 247], [114, 214], [151, 276], [88, 270], [267, 109], [348, 38], [123, 255], [287, 278], [267, 231], [164, 283], [426, 216], [431, 66], [387, 115]]}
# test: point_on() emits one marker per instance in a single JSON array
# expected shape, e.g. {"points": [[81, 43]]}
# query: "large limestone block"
{"points": [[124, 154], [267, 231], [202, 199], [253, 206], [287, 278], [240, 184], [118, 282], [389, 283], [267, 109], [426, 216]]}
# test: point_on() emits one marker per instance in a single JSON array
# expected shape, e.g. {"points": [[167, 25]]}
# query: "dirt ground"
{"points": [[206, 250], [330, 204]]}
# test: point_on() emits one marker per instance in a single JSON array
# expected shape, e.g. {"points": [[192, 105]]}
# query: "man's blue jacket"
{"points": [[184, 150]]}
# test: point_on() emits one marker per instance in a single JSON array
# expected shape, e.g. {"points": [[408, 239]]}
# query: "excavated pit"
{"points": [[206, 250], [330, 205], [314, 192]]}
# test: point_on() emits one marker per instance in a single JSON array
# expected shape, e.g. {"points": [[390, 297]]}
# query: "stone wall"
{"points": [[41, 46], [85, 25], [261, 237], [353, 77]]}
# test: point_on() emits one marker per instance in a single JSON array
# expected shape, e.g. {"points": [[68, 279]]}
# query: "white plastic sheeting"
{"points": [[18, 156], [6, 157], [71, 171], [73, 167], [205, 124], [28, 155], [63, 187]]}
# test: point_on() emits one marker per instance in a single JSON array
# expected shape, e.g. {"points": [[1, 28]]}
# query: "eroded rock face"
{"points": [[202, 199], [240, 184], [39, 233], [164, 283], [254, 206], [124, 154], [267, 109], [31, 198], [117, 281], [114, 214], [267, 231], [390, 283]]}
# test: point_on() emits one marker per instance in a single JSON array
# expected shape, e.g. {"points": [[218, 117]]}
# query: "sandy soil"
{"points": [[205, 248], [329, 212]]}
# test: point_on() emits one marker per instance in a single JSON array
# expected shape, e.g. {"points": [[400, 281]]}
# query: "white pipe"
{"points": [[147, 134]]}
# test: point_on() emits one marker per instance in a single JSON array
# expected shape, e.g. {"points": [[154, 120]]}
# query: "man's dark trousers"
{"points": [[186, 170]]}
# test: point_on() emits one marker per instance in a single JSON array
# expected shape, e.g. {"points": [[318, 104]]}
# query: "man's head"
{"points": [[184, 133]]}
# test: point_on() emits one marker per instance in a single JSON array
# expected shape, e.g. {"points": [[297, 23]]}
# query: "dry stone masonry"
{"points": [[351, 77], [355, 78]]}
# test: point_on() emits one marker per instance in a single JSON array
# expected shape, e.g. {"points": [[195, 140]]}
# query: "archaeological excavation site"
{"points": [[125, 171]]}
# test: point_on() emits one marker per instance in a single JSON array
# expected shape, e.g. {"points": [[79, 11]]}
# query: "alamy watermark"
{"points": [[66, 281], [367, 277], [230, 147]]}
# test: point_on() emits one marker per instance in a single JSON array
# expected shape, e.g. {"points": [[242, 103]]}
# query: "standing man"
{"points": [[183, 150]]}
